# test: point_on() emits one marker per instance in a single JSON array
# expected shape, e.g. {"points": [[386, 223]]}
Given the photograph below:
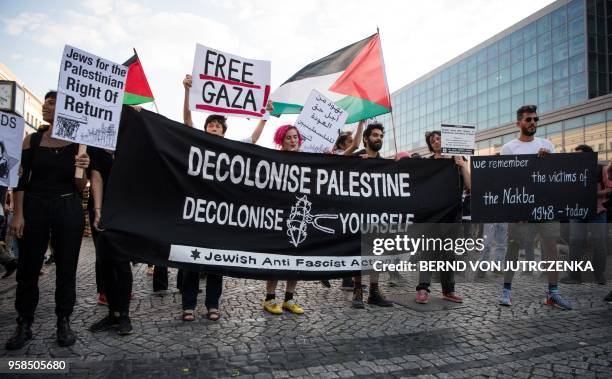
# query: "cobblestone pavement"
{"points": [[331, 340]]}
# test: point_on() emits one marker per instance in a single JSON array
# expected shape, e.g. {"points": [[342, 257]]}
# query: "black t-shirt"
{"points": [[363, 151], [101, 161]]}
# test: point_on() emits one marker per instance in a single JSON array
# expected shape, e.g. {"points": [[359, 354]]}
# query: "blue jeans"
{"points": [[191, 285], [579, 230], [495, 233]]}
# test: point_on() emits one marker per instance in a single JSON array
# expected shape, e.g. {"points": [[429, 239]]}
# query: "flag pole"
{"points": [[392, 121]]}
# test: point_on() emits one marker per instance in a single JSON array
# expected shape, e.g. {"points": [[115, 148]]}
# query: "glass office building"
{"points": [[558, 58]]}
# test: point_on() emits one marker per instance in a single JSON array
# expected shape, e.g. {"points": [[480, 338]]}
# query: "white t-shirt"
{"points": [[517, 147]]}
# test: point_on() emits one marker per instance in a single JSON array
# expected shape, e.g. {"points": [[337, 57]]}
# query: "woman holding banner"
{"points": [[287, 138], [47, 204], [447, 278]]}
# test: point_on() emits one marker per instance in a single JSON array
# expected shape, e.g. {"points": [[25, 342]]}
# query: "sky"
{"points": [[417, 37]]}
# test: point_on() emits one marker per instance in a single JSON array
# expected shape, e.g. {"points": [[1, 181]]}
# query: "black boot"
{"points": [[22, 334], [124, 324], [377, 298], [10, 268], [65, 335]]}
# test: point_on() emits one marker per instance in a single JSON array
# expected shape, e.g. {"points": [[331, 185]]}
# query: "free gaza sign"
{"points": [[228, 84]]}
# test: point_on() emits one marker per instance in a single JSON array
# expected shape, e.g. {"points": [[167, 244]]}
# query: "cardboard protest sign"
{"points": [[89, 99], [228, 84], [11, 136], [513, 188], [319, 123], [458, 139]]}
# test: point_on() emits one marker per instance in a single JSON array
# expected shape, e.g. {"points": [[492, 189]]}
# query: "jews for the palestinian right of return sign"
{"points": [[89, 99], [229, 85]]}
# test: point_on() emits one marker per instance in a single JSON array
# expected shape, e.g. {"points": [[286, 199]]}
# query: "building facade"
{"points": [[33, 104], [559, 59]]}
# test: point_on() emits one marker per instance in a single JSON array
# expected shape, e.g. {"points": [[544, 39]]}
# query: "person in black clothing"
{"points": [[372, 141], [47, 204], [115, 271]]}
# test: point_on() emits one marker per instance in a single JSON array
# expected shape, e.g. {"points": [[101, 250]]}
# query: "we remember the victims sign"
{"points": [[228, 84], [528, 188], [89, 99]]}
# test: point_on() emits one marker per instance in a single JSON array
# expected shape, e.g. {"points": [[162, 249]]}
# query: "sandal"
{"points": [[188, 315], [213, 315]]}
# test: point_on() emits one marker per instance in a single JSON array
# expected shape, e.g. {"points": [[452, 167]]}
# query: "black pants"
{"points": [[60, 218], [94, 236], [191, 285], [160, 278], [116, 273]]}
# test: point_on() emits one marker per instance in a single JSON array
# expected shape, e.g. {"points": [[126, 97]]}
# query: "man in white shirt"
{"points": [[526, 143]]}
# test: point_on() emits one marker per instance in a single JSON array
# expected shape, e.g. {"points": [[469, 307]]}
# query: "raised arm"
{"points": [[186, 112], [259, 129], [356, 139]]}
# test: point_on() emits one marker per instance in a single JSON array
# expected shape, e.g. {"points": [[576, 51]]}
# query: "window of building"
{"points": [[517, 55], [530, 48], [544, 59], [561, 102], [482, 147], [560, 52], [504, 75], [493, 95], [531, 97], [530, 81], [516, 38], [545, 76], [529, 31], [561, 88], [578, 83], [577, 64], [576, 45], [504, 91], [578, 97], [558, 17], [544, 94], [517, 101], [575, 9], [531, 64], [544, 42], [559, 34], [560, 70], [517, 86], [516, 71], [505, 107], [575, 27]]}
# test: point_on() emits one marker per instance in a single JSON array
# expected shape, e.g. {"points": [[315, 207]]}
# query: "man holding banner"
{"points": [[526, 143]]}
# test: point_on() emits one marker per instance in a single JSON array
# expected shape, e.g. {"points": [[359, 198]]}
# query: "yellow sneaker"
{"points": [[271, 306], [293, 307]]}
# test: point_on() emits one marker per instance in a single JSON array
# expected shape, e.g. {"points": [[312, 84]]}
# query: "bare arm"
{"points": [[465, 172], [259, 129], [356, 139], [186, 112], [81, 161], [97, 191]]}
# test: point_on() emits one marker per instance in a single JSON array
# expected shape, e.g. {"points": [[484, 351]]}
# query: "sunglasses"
{"points": [[529, 119]]}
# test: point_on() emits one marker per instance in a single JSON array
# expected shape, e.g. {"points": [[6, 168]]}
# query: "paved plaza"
{"points": [[331, 340]]}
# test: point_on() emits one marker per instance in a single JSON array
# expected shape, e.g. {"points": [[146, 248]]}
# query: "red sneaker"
{"points": [[422, 297], [102, 299], [452, 296]]}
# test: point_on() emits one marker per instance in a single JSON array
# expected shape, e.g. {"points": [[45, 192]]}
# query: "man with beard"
{"points": [[372, 141], [527, 121]]}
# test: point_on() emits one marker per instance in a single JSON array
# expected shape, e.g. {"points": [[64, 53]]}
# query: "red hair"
{"points": [[281, 132]]}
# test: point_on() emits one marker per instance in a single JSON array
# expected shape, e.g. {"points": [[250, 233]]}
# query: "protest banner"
{"points": [[319, 123], [458, 139], [89, 99], [229, 85], [527, 188], [182, 198], [11, 137]]}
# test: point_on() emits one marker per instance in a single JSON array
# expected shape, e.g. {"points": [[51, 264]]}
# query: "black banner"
{"points": [[527, 188], [183, 198]]}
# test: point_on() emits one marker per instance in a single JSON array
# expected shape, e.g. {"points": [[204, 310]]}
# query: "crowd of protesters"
{"points": [[45, 209]]}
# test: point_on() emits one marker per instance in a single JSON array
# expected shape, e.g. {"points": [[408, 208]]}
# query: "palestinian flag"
{"points": [[137, 90], [353, 77]]}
